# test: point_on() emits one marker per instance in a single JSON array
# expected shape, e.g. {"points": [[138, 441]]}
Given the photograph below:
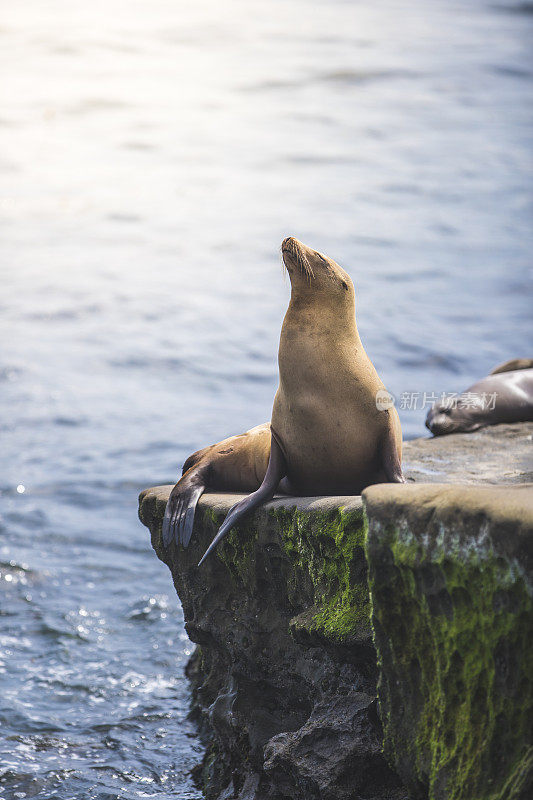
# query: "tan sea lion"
{"points": [[505, 395], [327, 433], [236, 464]]}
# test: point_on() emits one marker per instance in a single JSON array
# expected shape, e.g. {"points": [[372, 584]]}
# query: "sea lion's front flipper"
{"points": [[179, 514], [276, 470], [392, 465]]}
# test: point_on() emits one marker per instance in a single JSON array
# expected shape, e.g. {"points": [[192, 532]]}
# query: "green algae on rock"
{"points": [[450, 572], [327, 547], [284, 676]]}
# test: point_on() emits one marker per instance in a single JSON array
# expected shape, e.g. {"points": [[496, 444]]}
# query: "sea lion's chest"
{"points": [[330, 439]]}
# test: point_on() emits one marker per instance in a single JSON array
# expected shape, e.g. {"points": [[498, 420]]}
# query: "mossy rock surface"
{"points": [[450, 572], [284, 676], [284, 680]]}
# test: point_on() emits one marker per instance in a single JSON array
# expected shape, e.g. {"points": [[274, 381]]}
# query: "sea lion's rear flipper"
{"points": [[510, 366], [179, 514], [276, 470], [392, 465]]}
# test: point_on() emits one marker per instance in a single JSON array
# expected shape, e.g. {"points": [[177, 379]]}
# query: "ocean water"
{"points": [[152, 158]]}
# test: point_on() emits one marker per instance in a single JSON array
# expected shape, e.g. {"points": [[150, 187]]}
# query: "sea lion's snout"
{"points": [[289, 242], [438, 421], [312, 273], [299, 252], [291, 247], [295, 258]]}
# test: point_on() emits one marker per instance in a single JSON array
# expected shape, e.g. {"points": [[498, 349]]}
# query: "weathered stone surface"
{"points": [[497, 454], [284, 676], [451, 579]]}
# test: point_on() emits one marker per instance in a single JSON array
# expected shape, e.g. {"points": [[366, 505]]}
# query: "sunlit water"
{"points": [[153, 156]]}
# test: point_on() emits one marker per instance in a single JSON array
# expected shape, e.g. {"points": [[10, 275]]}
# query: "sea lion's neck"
{"points": [[318, 344], [320, 356], [318, 315]]}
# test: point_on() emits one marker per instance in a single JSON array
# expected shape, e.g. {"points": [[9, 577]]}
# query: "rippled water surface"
{"points": [[152, 157]]}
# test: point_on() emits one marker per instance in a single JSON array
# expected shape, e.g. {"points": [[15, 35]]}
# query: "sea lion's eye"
{"points": [[345, 285], [321, 258]]}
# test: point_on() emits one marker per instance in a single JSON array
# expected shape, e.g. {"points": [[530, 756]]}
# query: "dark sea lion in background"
{"points": [[506, 395], [512, 365], [327, 434]]}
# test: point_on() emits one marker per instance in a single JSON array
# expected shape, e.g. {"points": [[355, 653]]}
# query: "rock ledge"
{"points": [[292, 647]]}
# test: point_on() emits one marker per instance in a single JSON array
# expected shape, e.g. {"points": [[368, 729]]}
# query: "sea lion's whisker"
{"points": [[304, 265]]}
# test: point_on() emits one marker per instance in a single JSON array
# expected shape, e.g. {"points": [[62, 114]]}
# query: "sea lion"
{"points": [[505, 395], [238, 463], [328, 435]]}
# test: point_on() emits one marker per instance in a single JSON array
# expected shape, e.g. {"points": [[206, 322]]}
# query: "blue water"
{"points": [[152, 158]]}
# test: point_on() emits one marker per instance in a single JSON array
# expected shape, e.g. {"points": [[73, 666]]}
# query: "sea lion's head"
{"points": [[440, 420], [314, 274], [451, 417]]}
